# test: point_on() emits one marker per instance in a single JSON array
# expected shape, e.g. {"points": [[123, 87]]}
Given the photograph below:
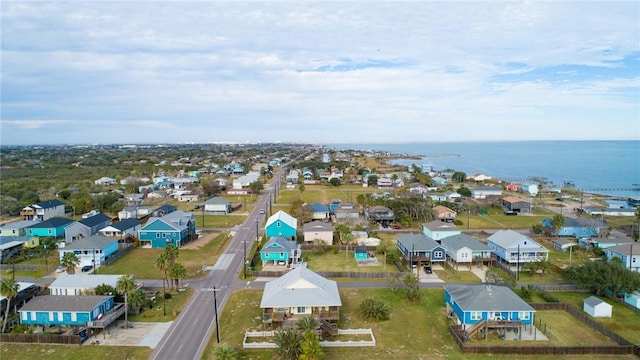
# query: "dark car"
{"points": [[427, 269], [510, 213], [86, 268]]}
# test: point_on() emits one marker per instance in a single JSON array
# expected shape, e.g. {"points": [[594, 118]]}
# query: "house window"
{"points": [[476, 315], [437, 254], [278, 224], [164, 235], [50, 231], [524, 315], [281, 255], [301, 309], [157, 235], [266, 255]]}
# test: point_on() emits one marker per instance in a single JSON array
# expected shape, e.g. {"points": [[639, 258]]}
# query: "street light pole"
{"points": [[244, 270]]}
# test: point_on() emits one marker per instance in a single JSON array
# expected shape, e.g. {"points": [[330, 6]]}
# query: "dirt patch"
{"points": [[201, 242]]}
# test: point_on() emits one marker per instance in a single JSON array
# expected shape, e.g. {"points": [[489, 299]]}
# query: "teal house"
{"points": [[279, 249], [65, 310], [53, 227], [281, 224], [175, 228], [360, 253]]}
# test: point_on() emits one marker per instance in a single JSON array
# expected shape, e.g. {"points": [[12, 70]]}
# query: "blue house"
{"points": [[360, 253], [281, 224], [471, 304], [177, 228], [53, 227], [418, 248], [92, 250], [319, 211], [579, 227], [65, 310], [279, 249]]}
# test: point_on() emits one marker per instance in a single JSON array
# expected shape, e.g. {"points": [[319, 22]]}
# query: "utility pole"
{"points": [[244, 275], [215, 305], [518, 265]]}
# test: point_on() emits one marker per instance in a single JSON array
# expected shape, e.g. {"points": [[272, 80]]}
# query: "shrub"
{"points": [[527, 292], [548, 297], [167, 296], [374, 310], [457, 222]]}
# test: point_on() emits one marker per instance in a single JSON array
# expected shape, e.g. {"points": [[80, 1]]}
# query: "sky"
{"points": [[86, 72]]}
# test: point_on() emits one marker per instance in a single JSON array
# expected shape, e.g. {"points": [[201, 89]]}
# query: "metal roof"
{"points": [[486, 297], [300, 287], [84, 281], [64, 303]]}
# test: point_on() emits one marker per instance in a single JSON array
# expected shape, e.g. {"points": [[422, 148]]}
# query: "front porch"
{"points": [[285, 319], [108, 318]]}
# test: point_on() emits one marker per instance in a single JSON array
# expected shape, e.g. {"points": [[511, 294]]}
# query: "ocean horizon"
{"points": [[609, 167]]}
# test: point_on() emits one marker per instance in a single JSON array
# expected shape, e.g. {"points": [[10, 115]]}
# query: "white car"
{"points": [[60, 269], [262, 211]]}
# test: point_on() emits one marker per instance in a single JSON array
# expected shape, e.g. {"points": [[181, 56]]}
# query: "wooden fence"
{"points": [[41, 339], [624, 347]]}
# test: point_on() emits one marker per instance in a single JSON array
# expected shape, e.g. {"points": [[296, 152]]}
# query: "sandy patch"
{"points": [[201, 242]]}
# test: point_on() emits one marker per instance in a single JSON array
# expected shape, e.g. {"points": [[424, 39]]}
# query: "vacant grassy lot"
{"points": [[624, 321], [414, 331], [72, 352], [330, 261], [451, 275], [218, 221], [141, 262]]}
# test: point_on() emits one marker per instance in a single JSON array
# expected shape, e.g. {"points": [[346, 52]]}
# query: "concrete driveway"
{"points": [[140, 334]]}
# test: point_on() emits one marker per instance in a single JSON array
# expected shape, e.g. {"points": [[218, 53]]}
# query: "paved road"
{"points": [[189, 334]]}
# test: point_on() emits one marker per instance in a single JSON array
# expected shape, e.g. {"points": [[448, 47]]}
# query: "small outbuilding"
{"points": [[597, 307]]}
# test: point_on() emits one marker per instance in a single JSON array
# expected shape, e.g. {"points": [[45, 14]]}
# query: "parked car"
{"points": [[282, 263], [427, 270], [262, 211], [86, 268], [510, 213], [397, 227]]}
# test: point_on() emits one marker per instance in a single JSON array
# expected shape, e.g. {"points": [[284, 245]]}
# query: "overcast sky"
{"points": [[319, 72]]}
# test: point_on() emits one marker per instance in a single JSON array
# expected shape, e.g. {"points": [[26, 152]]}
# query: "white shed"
{"points": [[597, 307]]}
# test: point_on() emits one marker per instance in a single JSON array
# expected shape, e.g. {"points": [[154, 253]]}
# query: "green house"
{"points": [[53, 227], [280, 249]]}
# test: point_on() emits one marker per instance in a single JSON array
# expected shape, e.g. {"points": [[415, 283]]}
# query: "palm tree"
{"points": [[124, 285], [411, 281], [9, 289], [310, 347], [225, 352], [162, 264], [137, 300], [557, 222], [289, 344], [177, 272], [69, 262], [172, 253], [307, 323]]}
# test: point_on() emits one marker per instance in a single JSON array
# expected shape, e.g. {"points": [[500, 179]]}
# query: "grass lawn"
{"points": [[141, 262], [72, 352], [414, 330], [624, 321], [329, 261], [451, 275], [176, 303], [218, 221], [501, 221]]}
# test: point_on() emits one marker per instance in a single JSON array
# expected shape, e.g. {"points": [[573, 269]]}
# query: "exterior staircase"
{"points": [[328, 328], [475, 328]]}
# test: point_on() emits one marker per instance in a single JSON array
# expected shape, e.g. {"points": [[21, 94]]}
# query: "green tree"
{"points": [[374, 310], [602, 275], [335, 182], [383, 248], [411, 281], [459, 176], [301, 188], [177, 272], [307, 323], [225, 352], [464, 191], [636, 234], [289, 343], [9, 289], [345, 236], [70, 261], [531, 267], [310, 347], [557, 221], [125, 285], [256, 187], [137, 299]]}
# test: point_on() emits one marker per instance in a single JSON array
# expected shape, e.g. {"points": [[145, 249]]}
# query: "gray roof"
{"points": [[64, 303], [625, 249], [457, 242], [19, 224], [486, 297], [594, 301], [126, 224], [417, 242], [438, 225], [284, 217], [84, 281], [91, 242], [509, 238], [217, 201], [95, 220], [285, 245], [300, 287], [317, 226]]}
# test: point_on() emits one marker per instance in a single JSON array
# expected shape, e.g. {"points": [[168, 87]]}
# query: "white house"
{"points": [[514, 247], [463, 249], [438, 230], [596, 307], [217, 205], [105, 181], [483, 192], [81, 284], [318, 231]]}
